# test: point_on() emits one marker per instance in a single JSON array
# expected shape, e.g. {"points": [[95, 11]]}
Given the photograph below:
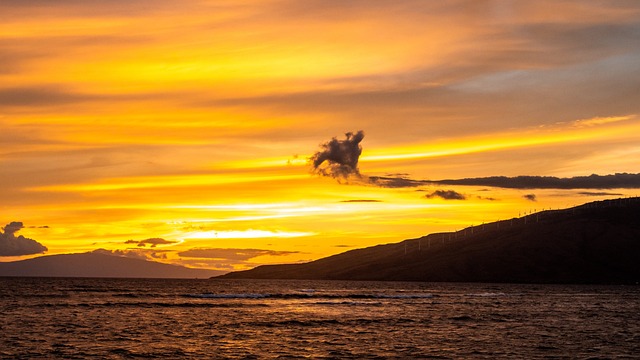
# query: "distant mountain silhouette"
{"points": [[597, 242], [99, 265]]}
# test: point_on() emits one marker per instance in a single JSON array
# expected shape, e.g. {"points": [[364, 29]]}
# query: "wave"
{"points": [[348, 303], [144, 304], [352, 323], [228, 296], [408, 296], [488, 294], [308, 295]]}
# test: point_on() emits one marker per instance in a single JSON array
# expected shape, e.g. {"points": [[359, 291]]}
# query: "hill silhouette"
{"points": [[98, 265], [598, 242]]}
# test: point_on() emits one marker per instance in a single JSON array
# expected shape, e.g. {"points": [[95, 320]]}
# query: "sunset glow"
{"points": [[195, 121]]}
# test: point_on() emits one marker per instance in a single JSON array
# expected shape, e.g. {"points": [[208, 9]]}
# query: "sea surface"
{"points": [[216, 319]]}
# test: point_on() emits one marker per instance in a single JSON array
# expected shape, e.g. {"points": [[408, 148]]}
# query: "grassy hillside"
{"points": [[597, 242]]}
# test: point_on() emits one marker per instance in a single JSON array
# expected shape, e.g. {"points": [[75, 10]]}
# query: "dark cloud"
{"points": [[447, 195], [339, 158], [231, 254], [152, 241], [10, 245], [530, 197], [613, 181], [12, 228], [396, 181], [361, 201], [599, 193]]}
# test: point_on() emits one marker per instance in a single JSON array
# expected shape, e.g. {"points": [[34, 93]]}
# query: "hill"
{"points": [[98, 265], [597, 242]]}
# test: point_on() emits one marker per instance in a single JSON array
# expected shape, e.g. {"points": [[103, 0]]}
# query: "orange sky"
{"points": [[192, 121]]}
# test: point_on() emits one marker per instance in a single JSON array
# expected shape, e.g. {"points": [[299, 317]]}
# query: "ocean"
{"points": [[44, 318]]}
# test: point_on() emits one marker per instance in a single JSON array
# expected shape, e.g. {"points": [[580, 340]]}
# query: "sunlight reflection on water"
{"points": [[123, 318]]}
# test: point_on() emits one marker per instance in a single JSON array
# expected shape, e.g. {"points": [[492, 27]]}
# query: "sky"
{"points": [[229, 134]]}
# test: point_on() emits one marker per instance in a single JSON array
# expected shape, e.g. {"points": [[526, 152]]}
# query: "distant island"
{"points": [[595, 243], [94, 264]]}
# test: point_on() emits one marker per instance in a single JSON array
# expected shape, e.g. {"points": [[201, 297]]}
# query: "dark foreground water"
{"points": [[124, 318]]}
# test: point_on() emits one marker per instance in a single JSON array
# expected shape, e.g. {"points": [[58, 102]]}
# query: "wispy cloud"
{"points": [[153, 242], [396, 182], [244, 234], [39, 96], [141, 254], [599, 193], [232, 254], [447, 195]]}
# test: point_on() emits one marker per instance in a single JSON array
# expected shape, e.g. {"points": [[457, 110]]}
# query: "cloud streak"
{"points": [[599, 193], [612, 181], [12, 245], [153, 242], [231, 254], [396, 181], [141, 254]]}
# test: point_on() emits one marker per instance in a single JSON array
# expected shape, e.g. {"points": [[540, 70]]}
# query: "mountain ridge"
{"points": [[598, 242]]}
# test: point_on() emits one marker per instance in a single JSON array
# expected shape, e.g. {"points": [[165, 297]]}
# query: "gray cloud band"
{"points": [[613, 181]]}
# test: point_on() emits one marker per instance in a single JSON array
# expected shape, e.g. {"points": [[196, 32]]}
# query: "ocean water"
{"points": [[211, 319]]}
